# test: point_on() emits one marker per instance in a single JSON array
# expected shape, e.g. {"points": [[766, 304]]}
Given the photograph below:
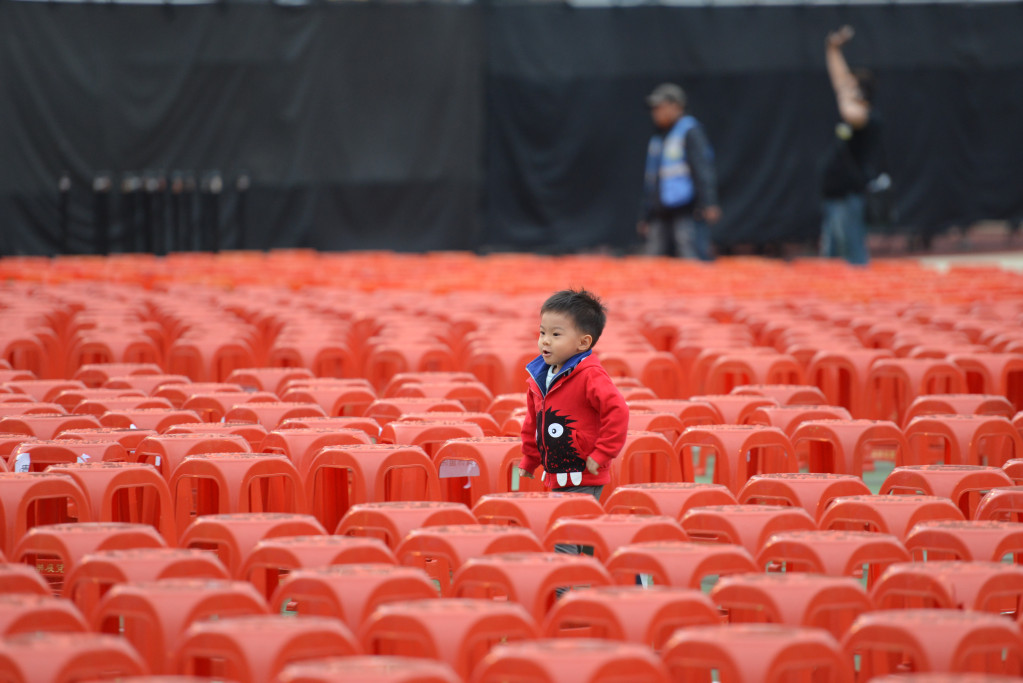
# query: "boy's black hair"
{"points": [[867, 82], [583, 307]]}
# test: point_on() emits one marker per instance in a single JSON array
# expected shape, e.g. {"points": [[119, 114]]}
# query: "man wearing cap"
{"points": [[680, 193]]}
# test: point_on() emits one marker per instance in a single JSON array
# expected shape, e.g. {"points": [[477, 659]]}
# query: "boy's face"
{"points": [[560, 339]]}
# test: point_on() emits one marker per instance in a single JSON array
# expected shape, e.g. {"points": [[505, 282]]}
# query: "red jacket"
{"points": [[582, 415]]}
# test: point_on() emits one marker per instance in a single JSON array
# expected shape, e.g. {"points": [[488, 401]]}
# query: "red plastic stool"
{"points": [[456, 631], [893, 384], [300, 445], [441, 550], [46, 425], [152, 615], [273, 558], [666, 424], [673, 499], [784, 394], [529, 579], [44, 390], [1014, 468], [964, 485], [1004, 503], [391, 522], [159, 420], [147, 384], [28, 613], [605, 533], [56, 549], [678, 564], [369, 669], [272, 414], [97, 374], [892, 514], [125, 492], [166, 451], [831, 603], [736, 368], [270, 379], [740, 451], [629, 613], [959, 404], [226, 483], [339, 477], [938, 640], [787, 418], [747, 525], [581, 660], [993, 373], [21, 578], [180, 392], [428, 434], [993, 587], [213, 406], [71, 398], [233, 536], [342, 399], [94, 575], [388, 409], [734, 409], [647, 457], [350, 592], [67, 658], [848, 446], [129, 438], [368, 425], [36, 456], [99, 406], [860, 554], [250, 431], [503, 405], [474, 395], [257, 648], [756, 653], [470, 468], [690, 413], [974, 540], [811, 491], [961, 440], [534, 510], [29, 499]]}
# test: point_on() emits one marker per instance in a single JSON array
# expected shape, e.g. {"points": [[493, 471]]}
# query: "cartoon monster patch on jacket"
{"points": [[560, 455]]}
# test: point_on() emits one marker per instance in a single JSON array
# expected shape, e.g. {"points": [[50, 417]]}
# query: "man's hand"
{"points": [[840, 37], [591, 465], [712, 214], [524, 473]]}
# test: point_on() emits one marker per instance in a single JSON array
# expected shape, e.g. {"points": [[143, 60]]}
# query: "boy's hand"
{"points": [[524, 473], [591, 465]]}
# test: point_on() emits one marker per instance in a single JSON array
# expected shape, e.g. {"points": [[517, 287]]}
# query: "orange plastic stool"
{"points": [[842, 375], [534, 510], [441, 550], [97, 374], [747, 525], [178, 393], [892, 514], [678, 564], [666, 424], [300, 445], [210, 357], [529, 579], [474, 395], [605, 533], [71, 398], [968, 440], [993, 373], [98, 406], [647, 457], [673, 499], [367, 424], [368, 669], [37, 455], [273, 558], [893, 384], [938, 640], [46, 425], [785, 394], [158, 419], [339, 477], [252, 432], [860, 554], [28, 613], [272, 414], [456, 631], [811, 491], [350, 592], [689, 412], [270, 379], [993, 587], [659, 371], [959, 404], [44, 390], [756, 653], [336, 399], [21, 578], [391, 522], [388, 409], [737, 368], [256, 648], [147, 384], [1014, 468], [470, 468], [233, 536], [94, 575], [124, 492], [152, 615], [225, 483], [67, 658], [629, 613], [1002, 503], [788, 417], [740, 451], [964, 485], [974, 540], [831, 603], [734, 409], [581, 660], [129, 438], [166, 451], [428, 434], [848, 446], [213, 406]]}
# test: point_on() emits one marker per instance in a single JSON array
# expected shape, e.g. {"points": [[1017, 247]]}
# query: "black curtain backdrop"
{"points": [[500, 126]]}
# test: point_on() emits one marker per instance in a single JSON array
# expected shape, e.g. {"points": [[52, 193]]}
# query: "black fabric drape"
{"points": [[499, 126]]}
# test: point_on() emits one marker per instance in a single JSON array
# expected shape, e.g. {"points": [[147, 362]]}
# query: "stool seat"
{"points": [[747, 525], [811, 491], [368, 669], [976, 586], [605, 533], [964, 485], [892, 514], [47, 656], [582, 660], [672, 499], [534, 510], [392, 521], [986, 540], [678, 564], [833, 553], [740, 451]]}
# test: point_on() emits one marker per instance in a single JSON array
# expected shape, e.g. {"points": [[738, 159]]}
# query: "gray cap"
{"points": [[666, 92]]}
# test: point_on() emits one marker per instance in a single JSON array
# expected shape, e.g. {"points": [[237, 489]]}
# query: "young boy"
{"points": [[577, 419]]}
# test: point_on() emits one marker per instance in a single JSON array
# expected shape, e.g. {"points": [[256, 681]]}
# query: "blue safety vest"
{"points": [[666, 161]]}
